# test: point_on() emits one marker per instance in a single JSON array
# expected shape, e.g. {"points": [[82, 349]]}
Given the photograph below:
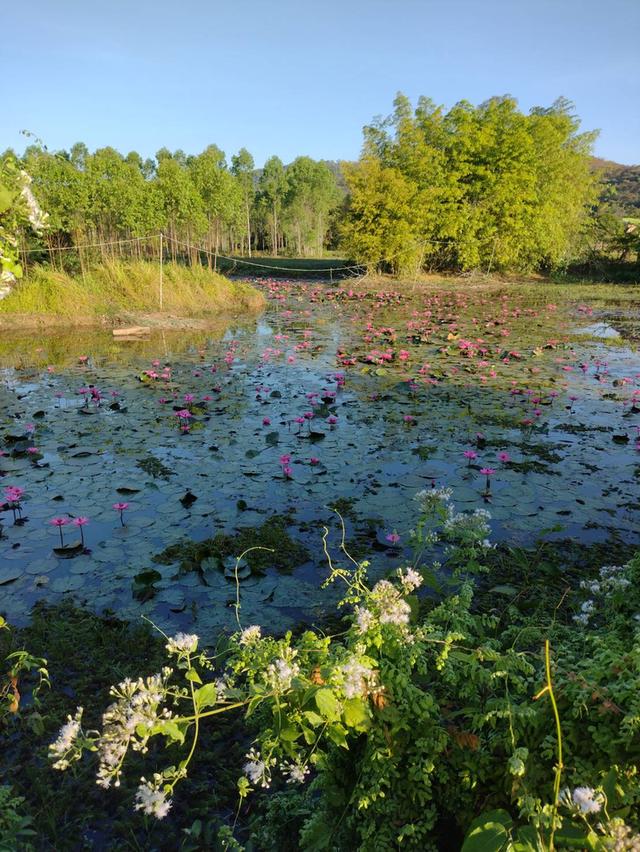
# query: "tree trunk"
{"points": [[275, 229], [248, 229]]}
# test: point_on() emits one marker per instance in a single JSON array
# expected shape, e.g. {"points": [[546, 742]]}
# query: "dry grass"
{"points": [[123, 289]]}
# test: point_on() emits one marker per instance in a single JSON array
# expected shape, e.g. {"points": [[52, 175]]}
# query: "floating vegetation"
{"points": [[277, 549]]}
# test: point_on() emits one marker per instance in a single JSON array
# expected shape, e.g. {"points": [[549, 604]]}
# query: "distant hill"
{"points": [[622, 185]]}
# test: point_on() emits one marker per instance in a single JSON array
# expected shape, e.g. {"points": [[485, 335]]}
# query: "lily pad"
{"points": [[10, 573], [68, 551]]}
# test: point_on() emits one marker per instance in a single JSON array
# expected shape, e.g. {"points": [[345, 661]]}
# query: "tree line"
{"points": [[485, 186], [106, 198]]}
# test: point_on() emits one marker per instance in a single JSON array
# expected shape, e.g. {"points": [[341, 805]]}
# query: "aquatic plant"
{"points": [[121, 507], [59, 523]]}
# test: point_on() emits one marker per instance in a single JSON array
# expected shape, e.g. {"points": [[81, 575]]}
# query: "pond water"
{"points": [[373, 396]]}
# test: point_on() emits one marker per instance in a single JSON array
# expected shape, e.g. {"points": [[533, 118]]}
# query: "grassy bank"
{"points": [[117, 290]]}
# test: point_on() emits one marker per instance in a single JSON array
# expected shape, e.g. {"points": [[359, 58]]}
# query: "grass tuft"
{"points": [[116, 288]]}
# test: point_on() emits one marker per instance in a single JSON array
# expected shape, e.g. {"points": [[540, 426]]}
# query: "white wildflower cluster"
{"points": [[585, 799], [391, 606], [586, 611], [621, 837], [223, 685], [62, 750], [611, 578], [182, 643], [280, 673], [468, 528], [151, 798], [431, 498], [137, 704], [37, 218], [258, 769], [365, 619], [410, 580], [296, 772], [359, 679], [250, 635]]}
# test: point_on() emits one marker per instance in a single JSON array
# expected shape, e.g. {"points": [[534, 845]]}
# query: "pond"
{"points": [[251, 433]]}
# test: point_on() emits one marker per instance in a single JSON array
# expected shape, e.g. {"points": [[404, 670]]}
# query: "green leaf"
{"points": [[527, 840], [488, 833], [170, 729], [193, 676], [6, 198], [610, 787], [338, 735], [490, 837], [289, 734], [355, 714], [309, 736], [313, 718], [206, 696], [575, 837], [505, 589], [327, 704]]}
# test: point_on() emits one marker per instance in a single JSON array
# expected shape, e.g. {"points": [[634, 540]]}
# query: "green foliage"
{"points": [[482, 186], [16, 829], [311, 196], [419, 719], [270, 545], [22, 672]]}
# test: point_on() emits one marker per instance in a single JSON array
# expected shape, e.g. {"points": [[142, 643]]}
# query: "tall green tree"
{"points": [[272, 188], [312, 194], [242, 166], [182, 208]]}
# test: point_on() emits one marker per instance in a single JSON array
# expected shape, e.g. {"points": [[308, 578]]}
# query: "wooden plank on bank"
{"points": [[132, 331]]}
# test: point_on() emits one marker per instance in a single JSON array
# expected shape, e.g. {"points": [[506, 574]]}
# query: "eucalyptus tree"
{"points": [[61, 188], [182, 208], [272, 190], [242, 166], [212, 182], [312, 194]]}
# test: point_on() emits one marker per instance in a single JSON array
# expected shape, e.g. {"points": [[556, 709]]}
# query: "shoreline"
{"points": [[10, 323]]}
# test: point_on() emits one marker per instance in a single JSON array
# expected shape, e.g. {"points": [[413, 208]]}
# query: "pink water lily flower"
{"points": [[120, 507], [59, 522], [80, 522]]}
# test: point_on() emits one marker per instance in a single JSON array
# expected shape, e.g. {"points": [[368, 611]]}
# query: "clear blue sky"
{"points": [[289, 78]]}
